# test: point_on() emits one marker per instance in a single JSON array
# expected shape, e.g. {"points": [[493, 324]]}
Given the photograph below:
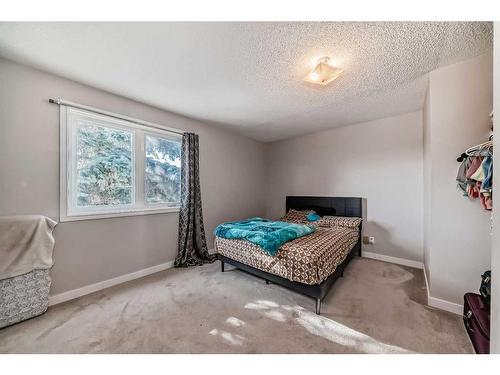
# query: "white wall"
{"points": [[86, 252], [495, 250], [458, 105], [380, 161]]}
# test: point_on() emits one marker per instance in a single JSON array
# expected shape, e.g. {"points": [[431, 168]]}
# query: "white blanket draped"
{"points": [[26, 243]]}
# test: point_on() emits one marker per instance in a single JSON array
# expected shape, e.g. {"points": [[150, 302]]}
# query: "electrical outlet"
{"points": [[371, 240]]}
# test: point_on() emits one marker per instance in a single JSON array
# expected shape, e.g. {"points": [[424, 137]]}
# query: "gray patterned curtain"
{"points": [[192, 246]]}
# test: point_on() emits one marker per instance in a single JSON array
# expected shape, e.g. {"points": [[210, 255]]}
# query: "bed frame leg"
{"points": [[268, 282], [342, 273], [318, 306], [221, 266]]}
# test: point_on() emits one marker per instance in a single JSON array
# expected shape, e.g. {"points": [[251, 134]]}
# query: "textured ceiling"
{"points": [[248, 76]]}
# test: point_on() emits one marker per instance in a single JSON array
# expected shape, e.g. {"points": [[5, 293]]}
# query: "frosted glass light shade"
{"points": [[323, 73]]}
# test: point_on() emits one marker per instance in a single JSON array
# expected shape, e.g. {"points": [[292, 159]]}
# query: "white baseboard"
{"points": [[389, 259], [75, 293], [442, 304]]}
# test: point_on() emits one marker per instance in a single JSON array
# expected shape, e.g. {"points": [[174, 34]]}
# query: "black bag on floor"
{"points": [[477, 322], [485, 288]]}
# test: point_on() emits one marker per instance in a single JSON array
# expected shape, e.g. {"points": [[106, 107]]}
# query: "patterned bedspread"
{"points": [[309, 259]]}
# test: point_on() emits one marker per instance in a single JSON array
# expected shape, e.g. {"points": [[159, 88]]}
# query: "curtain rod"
{"points": [[115, 115]]}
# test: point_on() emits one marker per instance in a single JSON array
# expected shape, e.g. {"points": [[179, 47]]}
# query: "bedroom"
{"points": [[245, 187]]}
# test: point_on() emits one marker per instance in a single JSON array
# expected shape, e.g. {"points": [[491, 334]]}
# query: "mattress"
{"points": [[308, 260]]}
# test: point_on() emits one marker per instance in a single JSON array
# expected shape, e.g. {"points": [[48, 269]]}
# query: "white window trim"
{"points": [[119, 122]]}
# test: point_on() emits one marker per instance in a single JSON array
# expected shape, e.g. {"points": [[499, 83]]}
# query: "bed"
{"points": [[308, 265]]}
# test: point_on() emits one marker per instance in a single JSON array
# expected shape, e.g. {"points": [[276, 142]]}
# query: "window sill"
{"points": [[109, 215]]}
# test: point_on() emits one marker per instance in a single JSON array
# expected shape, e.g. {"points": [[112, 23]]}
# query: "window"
{"points": [[162, 170], [114, 167]]}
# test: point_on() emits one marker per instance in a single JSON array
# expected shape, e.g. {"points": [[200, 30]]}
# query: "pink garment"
{"points": [[476, 163], [486, 202], [473, 190]]}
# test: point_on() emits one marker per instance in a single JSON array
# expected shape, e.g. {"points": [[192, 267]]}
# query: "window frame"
{"points": [[68, 130]]}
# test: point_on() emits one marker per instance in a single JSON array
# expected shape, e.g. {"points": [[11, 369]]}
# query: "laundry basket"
{"points": [[26, 245], [24, 296]]}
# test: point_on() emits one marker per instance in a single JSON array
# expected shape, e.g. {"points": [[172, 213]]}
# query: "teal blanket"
{"points": [[269, 235]]}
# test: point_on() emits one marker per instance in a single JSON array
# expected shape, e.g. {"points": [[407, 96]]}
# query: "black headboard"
{"points": [[332, 206]]}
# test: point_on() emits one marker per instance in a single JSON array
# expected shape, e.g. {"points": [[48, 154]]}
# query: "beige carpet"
{"points": [[376, 308]]}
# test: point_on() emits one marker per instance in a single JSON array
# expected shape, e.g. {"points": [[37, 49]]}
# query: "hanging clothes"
{"points": [[488, 172], [474, 165], [473, 186], [474, 178], [479, 175], [486, 202], [473, 190], [461, 175], [475, 174], [486, 187]]}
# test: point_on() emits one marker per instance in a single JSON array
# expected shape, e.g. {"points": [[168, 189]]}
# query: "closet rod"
{"points": [[115, 115]]}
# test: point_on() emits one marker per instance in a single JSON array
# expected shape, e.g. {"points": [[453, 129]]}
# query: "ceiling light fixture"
{"points": [[323, 73]]}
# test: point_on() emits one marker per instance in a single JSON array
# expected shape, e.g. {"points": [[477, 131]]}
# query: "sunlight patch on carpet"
{"points": [[323, 327], [235, 321], [231, 338]]}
